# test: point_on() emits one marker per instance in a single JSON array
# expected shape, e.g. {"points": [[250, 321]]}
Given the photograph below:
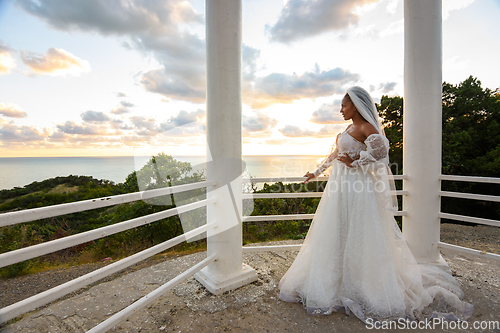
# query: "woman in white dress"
{"points": [[354, 258]]}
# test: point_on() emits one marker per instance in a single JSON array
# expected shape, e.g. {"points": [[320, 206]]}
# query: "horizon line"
{"points": [[102, 156]]}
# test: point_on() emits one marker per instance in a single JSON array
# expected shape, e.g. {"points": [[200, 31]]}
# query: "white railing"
{"points": [[493, 198], [12, 257], [399, 213], [43, 298], [260, 218]]}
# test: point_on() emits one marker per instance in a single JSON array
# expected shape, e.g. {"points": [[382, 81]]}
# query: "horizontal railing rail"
{"points": [[80, 206], [473, 196], [298, 179], [473, 179], [294, 247], [285, 195], [469, 251], [469, 219], [290, 217]]}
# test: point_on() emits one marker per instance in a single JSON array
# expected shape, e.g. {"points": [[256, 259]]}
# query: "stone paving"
{"points": [[189, 307]]}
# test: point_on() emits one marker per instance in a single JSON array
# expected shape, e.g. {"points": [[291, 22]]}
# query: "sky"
{"points": [[123, 78]]}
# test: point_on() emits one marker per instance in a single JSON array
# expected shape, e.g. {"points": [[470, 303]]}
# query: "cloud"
{"points": [[70, 127], [55, 62], [455, 63], [181, 133], [328, 114], [122, 108], [99, 130], [387, 87], [133, 140], [144, 123], [451, 5], [259, 122], [393, 29], [183, 72], [185, 124], [7, 63], [184, 118], [277, 142], [183, 75], [151, 27], [154, 17], [392, 6], [325, 131], [330, 130], [295, 131], [285, 88], [300, 19], [94, 117], [11, 134], [58, 136], [160, 28], [173, 86], [127, 104], [12, 111], [249, 62], [121, 94]]}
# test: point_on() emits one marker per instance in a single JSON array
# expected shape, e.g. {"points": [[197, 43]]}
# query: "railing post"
{"points": [[223, 32], [422, 127]]}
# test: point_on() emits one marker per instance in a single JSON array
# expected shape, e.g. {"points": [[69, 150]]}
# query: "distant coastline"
{"points": [[20, 171]]}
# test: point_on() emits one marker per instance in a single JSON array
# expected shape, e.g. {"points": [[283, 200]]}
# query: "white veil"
{"points": [[366, 107]]}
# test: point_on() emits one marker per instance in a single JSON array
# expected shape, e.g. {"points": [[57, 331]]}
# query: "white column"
{"points": [[223, 38], [422, 127]]}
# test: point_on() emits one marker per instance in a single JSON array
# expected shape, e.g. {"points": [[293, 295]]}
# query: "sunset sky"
{"points": [[106, 78]]}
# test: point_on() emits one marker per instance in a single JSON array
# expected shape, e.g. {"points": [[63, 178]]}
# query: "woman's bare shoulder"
{"points": [[367, 129]]}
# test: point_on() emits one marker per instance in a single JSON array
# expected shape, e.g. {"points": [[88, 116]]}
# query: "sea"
{"points": [[21, 171]]}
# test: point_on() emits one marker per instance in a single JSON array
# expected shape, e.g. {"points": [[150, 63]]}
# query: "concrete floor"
{"points": [[189, 307]]}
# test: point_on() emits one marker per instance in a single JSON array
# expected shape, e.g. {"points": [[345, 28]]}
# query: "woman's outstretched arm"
{"points": [[325, 165]]}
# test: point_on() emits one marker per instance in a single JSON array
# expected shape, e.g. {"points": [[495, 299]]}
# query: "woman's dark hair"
{"points": [[350, 100]]}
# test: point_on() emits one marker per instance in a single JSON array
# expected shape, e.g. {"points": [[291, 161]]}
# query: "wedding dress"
{"points": [[354, 257]]}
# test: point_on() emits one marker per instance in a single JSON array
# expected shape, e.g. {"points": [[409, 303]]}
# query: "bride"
{"points": [[354, 257]]}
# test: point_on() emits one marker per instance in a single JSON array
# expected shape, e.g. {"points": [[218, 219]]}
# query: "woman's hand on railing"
{"points": [[309, 177]]}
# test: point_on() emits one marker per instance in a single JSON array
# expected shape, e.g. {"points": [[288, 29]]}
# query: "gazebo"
{"points": [[422, 137], [223, 269]]}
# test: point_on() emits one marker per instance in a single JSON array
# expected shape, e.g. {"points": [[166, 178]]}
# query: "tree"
{"points": [[390, 110], [470, 141], [160, 171], [471, 145], [471, 129]]}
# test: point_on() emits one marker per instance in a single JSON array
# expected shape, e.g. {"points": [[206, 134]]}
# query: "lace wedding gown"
{"points": [[355, 259]]}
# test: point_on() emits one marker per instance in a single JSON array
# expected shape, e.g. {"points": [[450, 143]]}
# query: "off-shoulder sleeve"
{"points": [[326, 163], [377, 148]]}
